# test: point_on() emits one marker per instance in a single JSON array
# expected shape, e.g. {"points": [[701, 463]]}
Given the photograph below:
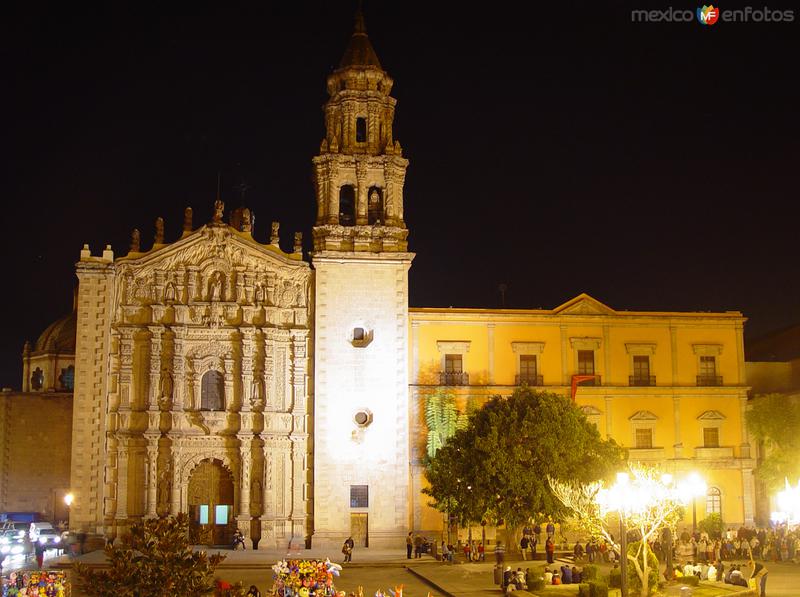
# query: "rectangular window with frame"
{"points": [[708, 366], [453, 363], [641, 367], [711, 437], [359, 496], [585, 362], [644, 438], [527, 366]]}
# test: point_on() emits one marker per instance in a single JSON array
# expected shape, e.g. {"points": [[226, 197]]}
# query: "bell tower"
{"points": [[361, 259]]}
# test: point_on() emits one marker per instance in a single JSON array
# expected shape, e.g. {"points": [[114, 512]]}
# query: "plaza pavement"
{"points": [[384, 569]]}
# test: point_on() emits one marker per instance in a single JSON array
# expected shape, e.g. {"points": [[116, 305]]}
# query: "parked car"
{"points": [[12, 539], [45, 533]]}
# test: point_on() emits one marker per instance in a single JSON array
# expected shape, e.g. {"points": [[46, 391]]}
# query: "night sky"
{"points": [[556, 148]]}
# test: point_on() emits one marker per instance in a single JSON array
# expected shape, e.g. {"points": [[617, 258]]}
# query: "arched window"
{"points": [[37, 379], [67, 378], [714, 501], [347, 206], [361, 130], [212, 391]]}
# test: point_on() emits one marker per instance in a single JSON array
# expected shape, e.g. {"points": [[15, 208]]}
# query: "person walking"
{"points": [[523, 546], [418, 546], [347, 549], [39, 550], [500, 553], [409, 545]]}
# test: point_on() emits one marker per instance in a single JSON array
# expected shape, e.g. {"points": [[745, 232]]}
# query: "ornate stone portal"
{"points": [[203, 363]]}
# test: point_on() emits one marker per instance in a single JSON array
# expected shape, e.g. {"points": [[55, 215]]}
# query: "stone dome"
{"points": [[59, 337]]}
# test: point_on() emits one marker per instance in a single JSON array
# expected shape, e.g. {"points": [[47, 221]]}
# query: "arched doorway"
{"points": [[211, 504]]}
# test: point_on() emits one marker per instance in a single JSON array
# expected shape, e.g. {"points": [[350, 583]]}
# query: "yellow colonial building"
{"points": [[669, 387]]}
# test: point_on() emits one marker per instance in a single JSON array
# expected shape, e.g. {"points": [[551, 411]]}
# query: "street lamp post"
{"points": [[623, 556], [68, 499], [694, 486]]}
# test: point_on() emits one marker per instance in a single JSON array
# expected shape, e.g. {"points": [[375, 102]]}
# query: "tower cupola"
{"points": [[360, 171]]}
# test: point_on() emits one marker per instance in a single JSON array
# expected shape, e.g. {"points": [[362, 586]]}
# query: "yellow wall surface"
{"points": [[674, 343]]}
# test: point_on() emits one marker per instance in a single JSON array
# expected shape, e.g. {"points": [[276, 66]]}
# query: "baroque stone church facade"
{"points": [[222, 377], [193, 388]]}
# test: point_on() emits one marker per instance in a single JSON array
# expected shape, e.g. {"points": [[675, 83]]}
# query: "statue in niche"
{"points": [[374, 208], [219, 208], [164, 486], [169, 293], [216, 287], [259, 294], [166, 383], [257, 394]]}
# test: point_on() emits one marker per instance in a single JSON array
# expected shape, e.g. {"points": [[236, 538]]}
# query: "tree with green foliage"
{"points": [[442, 418], [497, 468], [155, 560], [774, 420], [713, 525]]}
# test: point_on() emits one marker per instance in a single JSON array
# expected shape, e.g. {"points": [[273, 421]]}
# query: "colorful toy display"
{"points": [[305, 578], [47, 583]]}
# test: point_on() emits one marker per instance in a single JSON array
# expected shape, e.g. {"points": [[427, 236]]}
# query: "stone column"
{"points": [[123, 454], [178, 367], [268, 516], [748, 497], [298, 373], [564, 363], [389, 197], [152, 474], [193, 283], [609, 426], [606, 346], [490, 341], [125, 367], [247, 367], [744, 449], [333, 200], [676, 416], [197, 382], [298, 507], [361, 193], [155, 367], [229, 395], [175, 457], [414, 353], [246, 461], [399, 181], [673, 342]]}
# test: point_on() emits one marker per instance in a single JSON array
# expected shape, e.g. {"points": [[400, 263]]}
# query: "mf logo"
{"points": [[707, 15]]}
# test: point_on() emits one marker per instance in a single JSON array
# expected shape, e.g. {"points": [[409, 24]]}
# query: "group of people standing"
{"points": [[532, 536]]}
